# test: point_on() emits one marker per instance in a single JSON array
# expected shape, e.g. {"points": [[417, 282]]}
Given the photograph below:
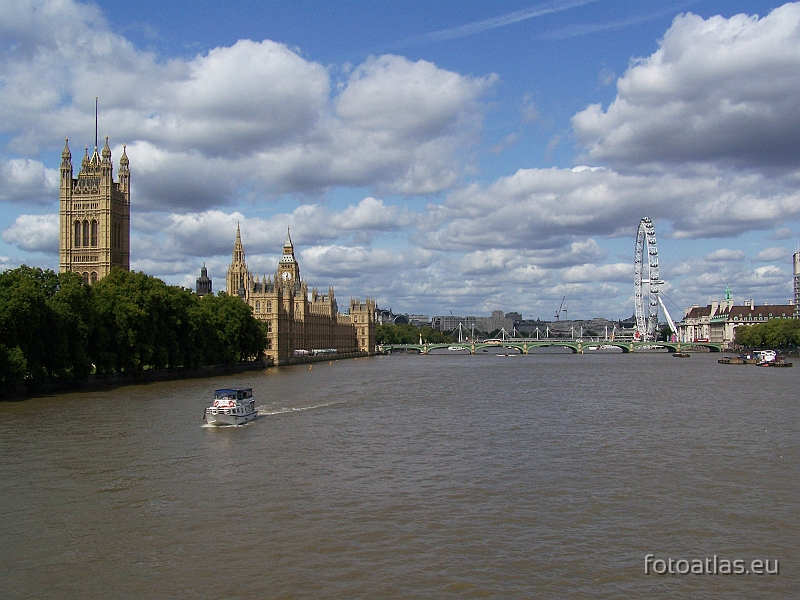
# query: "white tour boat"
{"points": [[232, 406]]}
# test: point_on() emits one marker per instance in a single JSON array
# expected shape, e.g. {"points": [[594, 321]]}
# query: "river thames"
{"points": [[550, 475]]}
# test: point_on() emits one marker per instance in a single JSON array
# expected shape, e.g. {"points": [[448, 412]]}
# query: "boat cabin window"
{"points": [[233, 394]]}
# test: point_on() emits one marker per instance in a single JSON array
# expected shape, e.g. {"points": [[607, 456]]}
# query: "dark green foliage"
{"points": [[12, 369], [775, 333], [408, 334], [237, 334], [45, 315], [144, 322], [52, 326]]}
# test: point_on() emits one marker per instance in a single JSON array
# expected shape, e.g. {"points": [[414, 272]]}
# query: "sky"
{"points": [[439, 157]]}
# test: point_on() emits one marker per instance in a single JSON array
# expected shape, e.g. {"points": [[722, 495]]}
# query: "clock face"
{"points": [[286, 275]]}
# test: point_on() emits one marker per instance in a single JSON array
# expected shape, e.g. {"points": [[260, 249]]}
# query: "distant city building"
{"points": [[450, 323], [718, 321], [447, 323], [385, 316], [496, 322], [203, 286], [419, 320], [296, 319], [94, 215]]}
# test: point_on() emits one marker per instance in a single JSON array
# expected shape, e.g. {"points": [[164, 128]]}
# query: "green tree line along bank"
{"points": [[55, 328], [408, 334], [776, 333]]}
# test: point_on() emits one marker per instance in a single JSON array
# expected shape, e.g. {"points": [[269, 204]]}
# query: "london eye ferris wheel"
{"points": [[646, 281]]}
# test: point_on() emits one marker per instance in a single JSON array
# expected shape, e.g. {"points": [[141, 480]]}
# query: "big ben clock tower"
{"points": [[288, 269]]}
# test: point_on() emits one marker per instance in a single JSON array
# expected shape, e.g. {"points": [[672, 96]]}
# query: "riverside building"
{"points": [[299, 321], [94, 215], [718, 321]]}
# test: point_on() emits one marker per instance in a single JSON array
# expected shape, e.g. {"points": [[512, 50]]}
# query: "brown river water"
{"points": [[550, 475]]}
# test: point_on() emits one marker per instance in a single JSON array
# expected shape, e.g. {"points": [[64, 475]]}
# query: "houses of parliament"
{"points": [[95, 215], [94, 233], [297, 321]]}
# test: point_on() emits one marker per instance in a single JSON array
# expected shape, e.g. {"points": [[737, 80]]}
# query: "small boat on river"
{"points": [[232, 406], [732, 360], [781, 363]]}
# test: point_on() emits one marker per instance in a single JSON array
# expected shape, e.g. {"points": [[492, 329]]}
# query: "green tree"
{"points": [[46, 316], [775, 333], [123, 336], [238, 335], [408, 334], [12, 369]]}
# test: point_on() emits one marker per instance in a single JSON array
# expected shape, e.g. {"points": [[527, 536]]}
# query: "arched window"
{"points": [[86, 278], [94, 276], [94, 233], [77, 233], [86, 233], [258, 306], [269, 326], [269, 306]]}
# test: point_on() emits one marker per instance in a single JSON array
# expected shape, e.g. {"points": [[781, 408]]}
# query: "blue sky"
{"points": [[436, 156]]}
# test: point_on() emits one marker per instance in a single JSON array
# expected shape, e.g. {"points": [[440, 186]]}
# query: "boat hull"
{"points": [[219, 416]]}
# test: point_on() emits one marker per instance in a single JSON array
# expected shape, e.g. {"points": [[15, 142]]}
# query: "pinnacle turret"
{"points": [[106, 153], [287, 245]]}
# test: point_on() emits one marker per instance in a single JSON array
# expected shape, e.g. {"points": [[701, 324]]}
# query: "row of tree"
{"points": [[775, 333], [408, 334], [52, 326]]}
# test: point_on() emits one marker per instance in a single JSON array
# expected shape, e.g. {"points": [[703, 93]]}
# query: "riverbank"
{"points": [[298, 360], [26, 391]]}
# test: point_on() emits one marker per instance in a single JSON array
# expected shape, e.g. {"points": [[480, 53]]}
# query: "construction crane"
{"points": [[560, 307]]}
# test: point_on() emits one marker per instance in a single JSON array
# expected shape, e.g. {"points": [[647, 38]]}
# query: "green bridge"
{"points": [[577, 346]]}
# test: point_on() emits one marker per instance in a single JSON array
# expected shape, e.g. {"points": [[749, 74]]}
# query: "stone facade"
{"points": [[95, 215], [299, 321], [718, 321]]}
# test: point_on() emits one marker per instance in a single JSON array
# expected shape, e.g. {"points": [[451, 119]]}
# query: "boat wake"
{"points": [[264, 410]]}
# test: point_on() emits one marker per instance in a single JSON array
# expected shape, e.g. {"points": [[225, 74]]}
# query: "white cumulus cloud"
{"points": [[717, 90], [37, 233], [24, 179]]}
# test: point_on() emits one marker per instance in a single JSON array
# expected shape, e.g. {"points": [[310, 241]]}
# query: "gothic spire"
{"points": [[106, 152], [66, 156], [288, 243], [238, 250]]}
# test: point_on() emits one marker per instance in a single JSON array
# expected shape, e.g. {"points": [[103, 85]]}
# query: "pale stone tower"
{"points": [[363, 316], [95, 215], [239, 277], [288, 269]]}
